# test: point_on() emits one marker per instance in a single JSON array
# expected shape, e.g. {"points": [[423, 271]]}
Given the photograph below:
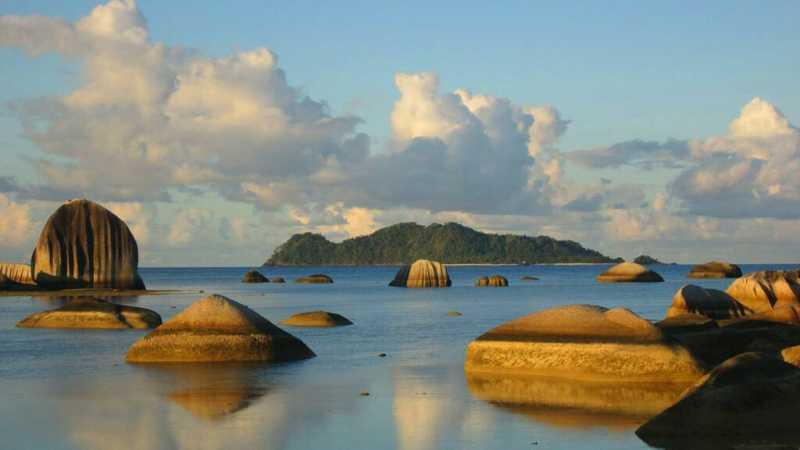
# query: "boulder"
{"points": [[492, 281], [85, 245], [277, 280], [766, 290], [17, 273], [583, 342], [92, 313], [628, 272], [218, 329], [646, 260], [318, 319], [454, 314], [254, 276], [715, 269], [316, 278], [422, 274], [791, 355], [751, 394], [686, 323], [712, 303]]}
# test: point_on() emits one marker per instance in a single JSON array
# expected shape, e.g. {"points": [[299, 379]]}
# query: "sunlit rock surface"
{"points": [[317, 278], [628, 272], [715, 269], [17, 273], [492, 281], [767, 290], [422, 274], [712, 303], [85, 245], [93, 313], [217, 329], [318, 319]]}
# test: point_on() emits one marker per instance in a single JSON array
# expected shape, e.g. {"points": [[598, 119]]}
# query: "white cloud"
{"points": [[16, 223]]}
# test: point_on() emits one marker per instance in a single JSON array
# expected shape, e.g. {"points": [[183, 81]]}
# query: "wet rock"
{"points": [[422, 274], [85, 245], [218, 329], [92, 313], [316, 278], [583, 342], [318, 319], [628, 272], [492, 281], [715, 269], [254, 276]]}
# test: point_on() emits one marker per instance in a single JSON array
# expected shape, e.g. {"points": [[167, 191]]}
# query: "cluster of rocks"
{"points": [[82, 245], [732, 356], [636, 272]]}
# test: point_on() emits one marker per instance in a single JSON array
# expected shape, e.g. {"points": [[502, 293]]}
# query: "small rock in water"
{"points": [[365, 393], [454, 313], [382, 355]]}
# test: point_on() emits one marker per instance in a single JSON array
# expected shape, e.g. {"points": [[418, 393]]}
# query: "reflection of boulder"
{"points": [[85, 245], [216, 329], [319, 319], [574, 404], [214, 402], [751, 394], [628, 272], [492, 281], [92, 313], [715, 269], [766, 290], [422, 274], [583, 342], [317, 278]]}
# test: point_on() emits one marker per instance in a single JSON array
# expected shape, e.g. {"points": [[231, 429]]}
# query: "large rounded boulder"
{"points": [[628, 272], [767, 290], [715, 269], [422, 274], [751, 394], [711, 303], [317, 319], [583, 342], [85, 245], [93, 313], [492, 281], [218, 329]]}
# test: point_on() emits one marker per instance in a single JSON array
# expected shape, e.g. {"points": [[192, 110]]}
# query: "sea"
{"points": [[72, 389]]}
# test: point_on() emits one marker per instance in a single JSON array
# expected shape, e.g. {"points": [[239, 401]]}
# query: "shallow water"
{"points": [[71, 389]]}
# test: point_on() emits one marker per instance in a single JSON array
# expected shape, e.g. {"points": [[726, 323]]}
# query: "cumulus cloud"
{"points": [[646, 155]]}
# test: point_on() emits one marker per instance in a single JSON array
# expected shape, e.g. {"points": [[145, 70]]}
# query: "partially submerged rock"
{"points": [[277, 280], [454, 314], [528, 278], [767, 290], [422, 274], [85, 245], [583, 342], [93, 313], [19, 274], [715, 269], [712, 303], [319, 319], [316, 278], [218, 329], [492, 281], [628, 272], [751, 394], [254, 276]]}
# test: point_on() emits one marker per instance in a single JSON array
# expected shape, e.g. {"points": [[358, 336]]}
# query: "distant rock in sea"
{"points": [[277, 280], [646, 260], [93, 313], [492, 281], [317, 319], [218, 329], [450, 243], [422, 274], [85, 245], [583, 342], [317, 278], [19, 274], [715, 269], [254, 276], [629, 272], [529, 278]]}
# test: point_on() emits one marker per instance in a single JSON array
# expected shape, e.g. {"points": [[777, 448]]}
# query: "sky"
{"points": [[216, 131]]}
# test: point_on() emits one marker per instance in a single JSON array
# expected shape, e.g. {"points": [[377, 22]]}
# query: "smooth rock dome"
{"points": [[93, 313], [254, 276], [218, 329], [749, 394], [492, 281], [712, 303], [766, 290], [715, 269], [583, 342], [318, 319], [422, 274], [85, 245], [17, 273], [317, 278], [628, 272]]}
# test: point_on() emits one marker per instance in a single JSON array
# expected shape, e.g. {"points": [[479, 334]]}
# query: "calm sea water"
{"points": [[71, 389]]}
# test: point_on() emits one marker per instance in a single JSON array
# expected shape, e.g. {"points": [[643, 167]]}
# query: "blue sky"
{"points": [[617, 71]]}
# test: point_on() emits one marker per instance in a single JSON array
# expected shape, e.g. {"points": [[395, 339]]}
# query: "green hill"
{"points": [[450, 243]]}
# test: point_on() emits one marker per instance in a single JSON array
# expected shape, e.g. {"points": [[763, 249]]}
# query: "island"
{"points": [[449, 243]]}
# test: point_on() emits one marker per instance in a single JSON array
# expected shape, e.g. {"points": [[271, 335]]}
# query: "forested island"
{"points": [[451, 243]]}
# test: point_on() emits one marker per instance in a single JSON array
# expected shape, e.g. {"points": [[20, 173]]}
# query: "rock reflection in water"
{"points": [[575, 404], [61, 300]]}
